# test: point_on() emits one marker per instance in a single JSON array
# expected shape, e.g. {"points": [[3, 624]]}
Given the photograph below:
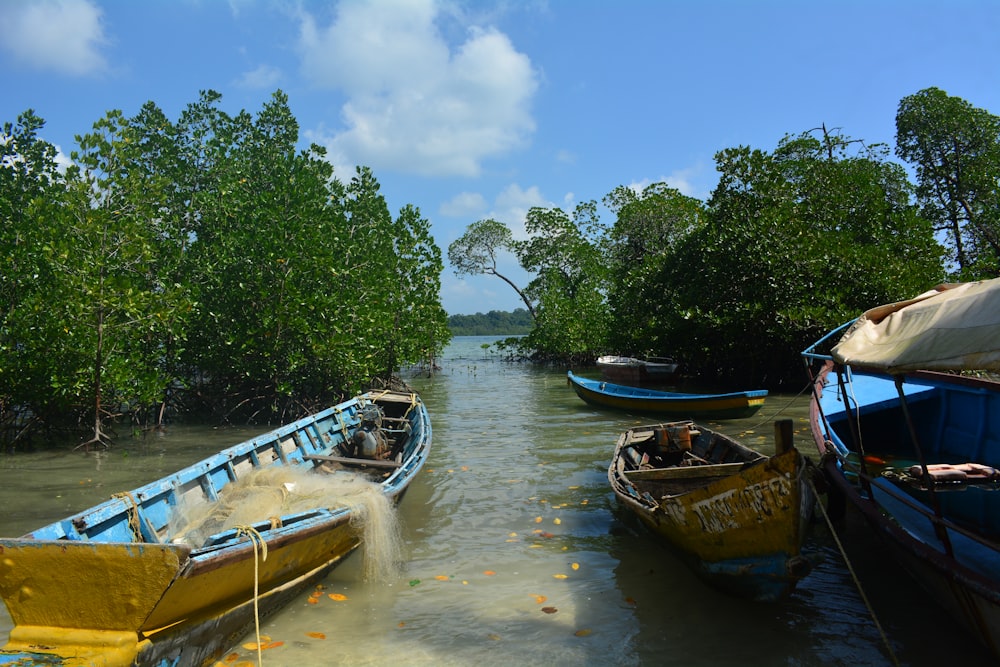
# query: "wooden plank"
{"points": [[372, 463], [686, 472]]}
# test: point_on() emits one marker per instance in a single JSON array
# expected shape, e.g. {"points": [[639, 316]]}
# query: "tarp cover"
{"points": [[950, 328]]}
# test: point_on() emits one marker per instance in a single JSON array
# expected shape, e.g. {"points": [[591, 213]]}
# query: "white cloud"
{"points": [[415, 103], [464, 204], [264, 77], [59, 35]]}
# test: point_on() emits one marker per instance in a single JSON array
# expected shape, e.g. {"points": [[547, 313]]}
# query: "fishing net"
{"points": [[266, 494]]}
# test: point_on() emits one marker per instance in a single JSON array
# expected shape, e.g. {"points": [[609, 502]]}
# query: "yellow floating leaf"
{"points": [[464, 582], [232, 657], [584, 501], [540, 598], [442, 577], [572, 488], [512, 535], [582, 633], [493, 637], [538, 519], [560, 576], [316, 635], [272, 645], [401, 624], [557, 521], [339, 597], [575, 566], [312, 600]]}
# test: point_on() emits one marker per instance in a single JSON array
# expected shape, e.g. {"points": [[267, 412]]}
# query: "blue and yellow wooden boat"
{"points": [[126, 583], [737, 517], [667, 404]]}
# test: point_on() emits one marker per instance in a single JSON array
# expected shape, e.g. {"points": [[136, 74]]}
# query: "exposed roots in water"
{"points": [[266, 494]]}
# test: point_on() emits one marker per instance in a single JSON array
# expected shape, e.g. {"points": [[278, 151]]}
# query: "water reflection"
{"points": [[517, 554]]}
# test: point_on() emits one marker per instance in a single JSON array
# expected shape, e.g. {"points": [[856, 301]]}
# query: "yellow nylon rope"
{"points": [[255, 539]]}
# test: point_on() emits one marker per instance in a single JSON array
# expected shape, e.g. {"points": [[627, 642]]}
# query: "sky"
{"points": [[484, 109]]}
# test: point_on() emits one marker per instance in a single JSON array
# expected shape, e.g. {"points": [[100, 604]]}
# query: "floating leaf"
{"points": [[557, 521], [493, 637], [538, 519], [549, 610], [573, 488], [401, 624], [339, 597], [232, 657], [560, 576], [582, 633], [465, 468], [540, 599], [312, 600], [547, 536], [575, 566], [489, 573], [442, 577], [630, 601], [316, 594], [414, 582], [316, 635], [512, 535], [272, 645]]}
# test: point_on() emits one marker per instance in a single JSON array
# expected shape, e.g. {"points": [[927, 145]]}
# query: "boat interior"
{"points": [[331, 441]]}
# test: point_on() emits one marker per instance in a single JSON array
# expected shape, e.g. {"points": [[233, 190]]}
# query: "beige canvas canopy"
{"points": [[950, 328]]}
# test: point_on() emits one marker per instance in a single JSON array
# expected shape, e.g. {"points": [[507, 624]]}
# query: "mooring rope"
{"points": [[850, 568], [133, 514], [255, 539]]}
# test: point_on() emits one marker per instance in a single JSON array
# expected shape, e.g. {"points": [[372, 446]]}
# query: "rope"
{"points": [[135, 528], [854, 576], [255, 539], [778, 413]]}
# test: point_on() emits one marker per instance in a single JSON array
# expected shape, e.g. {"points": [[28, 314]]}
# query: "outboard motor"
{"points": [[369, 442]]}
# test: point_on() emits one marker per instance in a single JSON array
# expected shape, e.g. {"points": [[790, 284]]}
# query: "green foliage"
{"points": [[495, 322], [476, 252], [570, 287], [955, 149], [207, 263], [797, 242]]}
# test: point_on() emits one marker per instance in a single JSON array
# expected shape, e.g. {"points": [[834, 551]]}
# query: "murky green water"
{"points": [[517, 554]]}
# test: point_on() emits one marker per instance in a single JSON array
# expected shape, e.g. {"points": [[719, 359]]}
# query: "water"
{"points": [[515, 551]]}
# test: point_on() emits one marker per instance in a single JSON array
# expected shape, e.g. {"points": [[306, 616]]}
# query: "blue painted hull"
{"points": [[667, 404], [946, 533], [123, 584]]}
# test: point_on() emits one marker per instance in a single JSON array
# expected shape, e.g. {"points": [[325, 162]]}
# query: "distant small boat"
{"points": [[669, 404], [635, 371], [737, 517], [139, 580]]}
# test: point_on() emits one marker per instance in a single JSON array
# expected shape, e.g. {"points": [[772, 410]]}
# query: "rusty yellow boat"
{"points": [[130, 582], [737, 517]]}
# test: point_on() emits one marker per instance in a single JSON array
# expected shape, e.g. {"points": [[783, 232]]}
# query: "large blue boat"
{"points": [[906, 420]]}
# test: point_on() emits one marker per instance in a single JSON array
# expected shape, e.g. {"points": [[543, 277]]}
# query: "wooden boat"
{"points": [[123, 583], [735, 516], [914, 444], [669, 404], [635, 371]]}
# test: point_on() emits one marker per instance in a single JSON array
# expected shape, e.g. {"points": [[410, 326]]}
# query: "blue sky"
{"points": [[472, 110]]}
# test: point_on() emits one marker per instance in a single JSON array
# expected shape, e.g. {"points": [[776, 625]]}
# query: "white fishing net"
{"points": [[267, 494]]}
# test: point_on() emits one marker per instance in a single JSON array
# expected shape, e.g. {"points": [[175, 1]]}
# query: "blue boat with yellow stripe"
{"points": [[176, 572], [667, 404]]}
